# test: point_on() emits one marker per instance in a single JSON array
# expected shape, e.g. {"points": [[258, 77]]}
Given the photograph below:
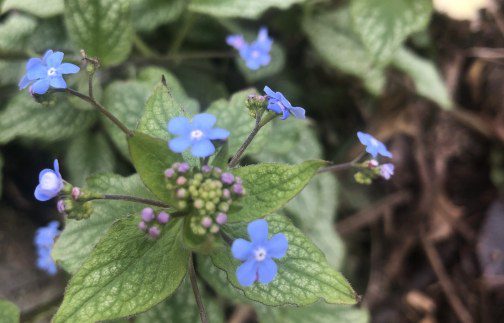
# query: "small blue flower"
{"points": [[279, 104], [50, 183], [44, 241], [197, 134], [387, 170], [255, 54], [257, 255], [373, 145], [45, 72]]}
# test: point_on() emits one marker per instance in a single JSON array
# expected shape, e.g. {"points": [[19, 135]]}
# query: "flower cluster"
{"points": [[152, 223], [50, 183], [44, 241], [196, 134], [373, 168], [257, 53], [280, 105], [209, 193], [41, 73], [257, 255]]}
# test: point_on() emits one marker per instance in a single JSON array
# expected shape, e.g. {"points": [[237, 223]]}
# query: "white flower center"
{"points": [[260, 254], [196, 134], [255, 54], [49, 181], [374, 142], [51, 71]]}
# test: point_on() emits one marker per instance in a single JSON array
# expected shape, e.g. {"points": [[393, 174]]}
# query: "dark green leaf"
{"points": [[9, 312], [149, 14]]}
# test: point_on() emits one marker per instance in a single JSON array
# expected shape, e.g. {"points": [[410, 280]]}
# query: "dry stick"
{"points": [[197, 295], [446, 284]]}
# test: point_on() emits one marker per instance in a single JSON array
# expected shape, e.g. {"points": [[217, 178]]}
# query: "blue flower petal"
{"points": [[44, 171], [24, 82], [247, 273], [218, 134], [258, 231], [203, 121], [277, 246], [33, 62], [298, 112], [47, 54], [54, 60], [40, 86], [56, 167], [179, 144], [40, 195], [267, 271], [269, 91], [37, 72], [202, 148], [241, 249], [274, 106], [68, 68], [57, 82], [179, 126], [285, 114], [236, 41], [364, 138]]}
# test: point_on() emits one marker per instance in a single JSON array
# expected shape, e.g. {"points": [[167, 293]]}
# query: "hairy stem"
{"points": [[135, 199], [343, 166], [197, 294]]}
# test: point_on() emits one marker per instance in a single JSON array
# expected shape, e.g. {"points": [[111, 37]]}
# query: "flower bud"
{"points": [[198, 204], [61, 206], [206, 169], [181, 193], [147, 214], [154, 232], [183, 167], [214, 229], [181, 180], [226, 193], [163, 217], [169, 173], [142, 226], [227, 178], [238, 189], [206, 222], [76, 192], [221, 218]]}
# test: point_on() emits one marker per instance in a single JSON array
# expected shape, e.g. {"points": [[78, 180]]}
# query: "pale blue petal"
{"points": [[236, 41], [33, 62], [241, 249], [179, 144], [269, 91], [58, 82], [37, 72], [47, 54], [247, 272], [203, 121], [285, 114], [298, 112], [179, 126], [40, 195], [274, 106], [277, 246], [382, 150], [218, 134], [55, 59], [24, 82], [40, 86], [364, 138], [56, 167], [258, 231], [267, 271], [43, 172], [68, 68], [202, 148]]}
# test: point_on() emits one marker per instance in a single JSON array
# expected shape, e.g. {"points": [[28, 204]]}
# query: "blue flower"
{"points": [[255, 54], [44, 241], [196, 134], [373, 145], [257, 255], [279, 104], [387, 170], [50, 183], [45, 72]]}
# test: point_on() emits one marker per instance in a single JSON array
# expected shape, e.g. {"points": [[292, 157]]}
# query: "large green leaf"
{"points": [[238, 8], [333, 39], [102, 27], [149, 14], [15, 31], [182, 307], [79, 238], [384, 25], [43, 9], [234, 116], [9, 312], [425, 76], [27, 119], [88, 153], [127, 273], [11, 71], [304, 276], [151, 157], [270, 186]]}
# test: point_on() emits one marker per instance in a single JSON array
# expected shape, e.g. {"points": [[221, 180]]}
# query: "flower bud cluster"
{"points": [[371, 170], [152, 223], [256, 104], [208, 193]]}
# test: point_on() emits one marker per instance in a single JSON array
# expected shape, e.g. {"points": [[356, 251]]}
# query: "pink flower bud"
{"points": [[61, 206], [238, 189], [206, 169], [163, 217], [226, 193], [76, 193], [183, 167], [147, 214], [181, 193], [154, 232], [142, 226], [181, 180], [221, 218], [227, 178], [169, 173], [206, 222]]}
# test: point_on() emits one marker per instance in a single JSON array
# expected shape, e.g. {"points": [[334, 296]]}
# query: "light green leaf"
{"points": [[42, 9], [149, 14], [88, 153], [238, 8], [127, 273], [9, 312], [274, 67], [182, 307], [11, 71], [79, 238], [270, 186], [101, 27], [234, 116], [27, 119], [151, 157], [15, 32], [341, 48], [428, 82], [304, 276], [384, 25]]}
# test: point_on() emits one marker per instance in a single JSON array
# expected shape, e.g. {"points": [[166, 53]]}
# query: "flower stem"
{"points": [[133, 199], [197, 295], [343, 166]]}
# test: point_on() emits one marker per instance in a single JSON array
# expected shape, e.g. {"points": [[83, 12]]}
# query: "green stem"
{"points": [[197, 294], [186, 27], [341, 167], [143, 48], [130, 198]]}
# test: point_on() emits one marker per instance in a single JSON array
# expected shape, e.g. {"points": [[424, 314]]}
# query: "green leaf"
{"points": [[304, 276], [428, 82], [80, 237], [9, 312], [333, 39], [238, 8], [270, 186], [127, 273], [234, 116], [101, 27], [182, 307], [27, 119], [274, 67], [11, 71], [88, 153], [15, 32], [151, 157], [384, 25], [147, 15], [42, 9]]}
